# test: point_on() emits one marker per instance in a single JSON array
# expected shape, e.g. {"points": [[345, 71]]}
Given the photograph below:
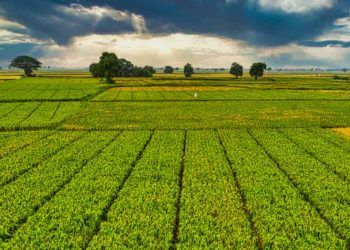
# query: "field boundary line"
{"points": [[56, 110], [314, 156], [98, 92], [42, 91], [10, 111], [54, 93], [176, 228], [30, 114], [304, 195], [248, 214], [116, 95], [104, 215], [49, 197], [41, 162]]}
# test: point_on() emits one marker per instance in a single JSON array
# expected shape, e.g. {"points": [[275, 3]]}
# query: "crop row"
{"points": [[30, 191], [323, 188], [335, 158], [211, 214], [70, 219], [143, 215], [35, 114], [13, 141], [31, 156], [283, 218]]}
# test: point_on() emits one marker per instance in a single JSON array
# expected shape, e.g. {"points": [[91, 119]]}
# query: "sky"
{"points": [[206, 33]]}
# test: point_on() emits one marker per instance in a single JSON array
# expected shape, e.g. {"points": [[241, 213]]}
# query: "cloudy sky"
{"points": [[207, 33]]}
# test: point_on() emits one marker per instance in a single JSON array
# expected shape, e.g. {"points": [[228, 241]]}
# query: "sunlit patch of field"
{"points": [[9, 77], [343, 131]]}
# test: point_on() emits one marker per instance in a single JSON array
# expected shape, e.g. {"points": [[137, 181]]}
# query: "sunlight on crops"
{"points": [[343, 131]]}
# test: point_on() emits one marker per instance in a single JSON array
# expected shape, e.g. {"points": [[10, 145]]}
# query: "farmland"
{"points": [[209, 162]]}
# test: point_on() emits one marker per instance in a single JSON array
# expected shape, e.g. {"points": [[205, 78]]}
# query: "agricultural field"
{"points": [[168, 162]]}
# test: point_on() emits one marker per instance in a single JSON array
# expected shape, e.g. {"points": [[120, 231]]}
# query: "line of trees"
{"points": [[110, 66]]}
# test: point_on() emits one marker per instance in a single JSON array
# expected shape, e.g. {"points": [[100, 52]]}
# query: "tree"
{"points": [[109, 65], [143, 72], [95, 70], [188, 70], [257, 70], [168, 70], [150, 69], [27, 63], [236, 70]]}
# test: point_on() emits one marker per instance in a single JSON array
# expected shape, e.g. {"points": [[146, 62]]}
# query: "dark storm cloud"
{"points": [[328, 43], [10, 51], [238, 19], [285, 60]]}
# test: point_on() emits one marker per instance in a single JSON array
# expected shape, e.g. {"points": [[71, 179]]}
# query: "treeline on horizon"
{"points": [[110, 66]]}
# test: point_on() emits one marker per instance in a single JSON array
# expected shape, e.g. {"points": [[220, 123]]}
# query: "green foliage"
{"points": [[27, 63], [283, 218], [323, 188], [31, 115], [188, 70], [87, 196], [236, 69], [45, 146], [257, 70], [168, 70], [111, 66], [154, 181], [211, 207], [48, 89], [210, 115], [41, 183], [95, 70]]}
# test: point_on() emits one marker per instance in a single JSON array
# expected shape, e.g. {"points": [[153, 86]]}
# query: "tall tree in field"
{"points": [[257, 70], [168, 70], [236, 70], [188, 70], [109, 64], [27, 63]]}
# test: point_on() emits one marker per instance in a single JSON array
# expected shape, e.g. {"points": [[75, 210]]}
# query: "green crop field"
{"points": [[169, 162]]}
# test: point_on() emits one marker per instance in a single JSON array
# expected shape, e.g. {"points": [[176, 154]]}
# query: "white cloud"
{"points": [[175, 49], [6, 24], [13, 33], [9, 37], [97, 13], [201, 51], [341, 32], [296, 6]]}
